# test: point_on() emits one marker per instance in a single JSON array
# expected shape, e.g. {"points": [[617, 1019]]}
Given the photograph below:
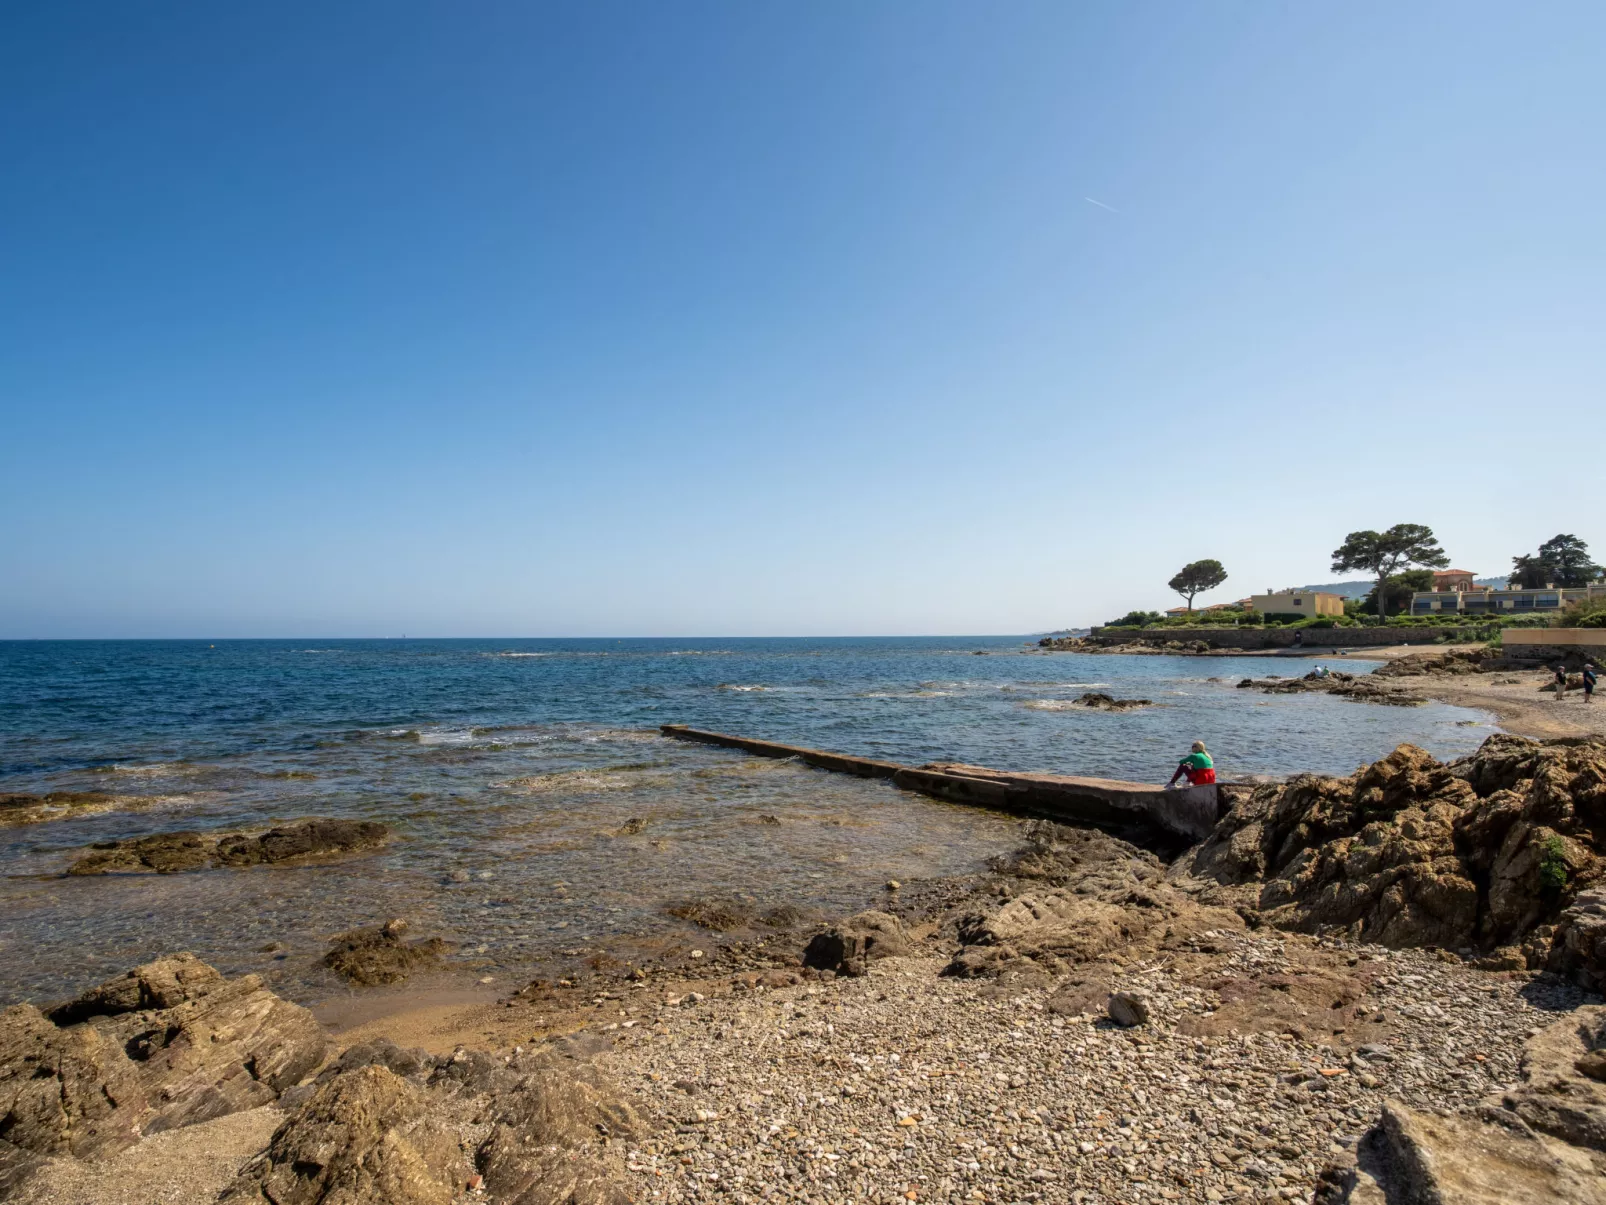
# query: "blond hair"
{"points": [[1198, 747]]}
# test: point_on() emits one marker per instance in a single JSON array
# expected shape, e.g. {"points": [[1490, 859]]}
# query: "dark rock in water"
{"points": [[31, 809], [633, 826], [381, 954], [308, 839], [718, 915], [848, 948], [783, 916], [170, 1044], [1100, 701], [164, 853], [168, 853], [533, 1127]]}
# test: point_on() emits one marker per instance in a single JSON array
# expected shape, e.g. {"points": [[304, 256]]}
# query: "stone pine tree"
{"points": [[1385, 553], [1196, 579], [1561, 561]]}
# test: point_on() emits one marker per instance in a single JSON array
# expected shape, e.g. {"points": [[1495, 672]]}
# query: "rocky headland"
{"points": [[1374, 988]]}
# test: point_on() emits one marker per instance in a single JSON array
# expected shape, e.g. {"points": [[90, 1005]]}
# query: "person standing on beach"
{"points": [[1198, 766], [1561, 682], [1589, 681]]}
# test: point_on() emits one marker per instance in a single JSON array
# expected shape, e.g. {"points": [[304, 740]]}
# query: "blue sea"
{"points": [[515, 764]]}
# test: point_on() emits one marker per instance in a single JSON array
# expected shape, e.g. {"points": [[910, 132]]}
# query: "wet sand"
{"points": [[1513, 697]]}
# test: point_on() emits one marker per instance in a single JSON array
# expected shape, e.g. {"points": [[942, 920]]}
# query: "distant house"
{"points": [[1453, 579], [1481, 600], [1297, 602]]}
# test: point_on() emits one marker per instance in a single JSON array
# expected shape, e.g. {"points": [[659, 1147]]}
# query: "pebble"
{"points": [[905, 1086]]}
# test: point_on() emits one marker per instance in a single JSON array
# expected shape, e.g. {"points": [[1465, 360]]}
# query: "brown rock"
{"points": [[849, 947], [366, 1136], [169, 853], [168, 1045], [1483, 852], [381, 954]]}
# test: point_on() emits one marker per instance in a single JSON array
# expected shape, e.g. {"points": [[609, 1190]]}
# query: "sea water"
{"points": [[511, 770]]}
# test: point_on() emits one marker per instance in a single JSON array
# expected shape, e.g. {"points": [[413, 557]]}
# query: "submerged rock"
{"points": [[54, 805], [169, 853], [1100, 701], [381, 954]]}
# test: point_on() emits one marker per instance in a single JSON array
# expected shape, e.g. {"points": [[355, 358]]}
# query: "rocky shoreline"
{"points": [[1357, 989]]}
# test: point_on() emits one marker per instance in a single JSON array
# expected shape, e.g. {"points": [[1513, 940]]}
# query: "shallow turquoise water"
{"points": [[518, 761]]}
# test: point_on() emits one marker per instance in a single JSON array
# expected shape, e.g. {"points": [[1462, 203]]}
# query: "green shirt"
{"points": [[1198, 761]]}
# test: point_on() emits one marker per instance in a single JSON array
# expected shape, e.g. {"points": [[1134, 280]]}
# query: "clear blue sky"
{"points": [[778, 318]]}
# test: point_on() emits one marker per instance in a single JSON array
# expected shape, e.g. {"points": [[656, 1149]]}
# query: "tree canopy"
{"points": [[1197, 577], [1385, 553], [1562, 560], [1397, 591]]}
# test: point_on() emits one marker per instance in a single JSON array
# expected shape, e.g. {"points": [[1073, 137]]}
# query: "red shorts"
{"points": [[1198, 778]]}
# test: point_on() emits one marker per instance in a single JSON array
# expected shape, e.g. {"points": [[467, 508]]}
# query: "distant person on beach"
{"points": [[1197, 766], [1589, 681], [1561, 683]]}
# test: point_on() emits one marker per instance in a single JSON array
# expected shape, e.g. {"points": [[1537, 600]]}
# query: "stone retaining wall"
{"points": [[1282, 638]]}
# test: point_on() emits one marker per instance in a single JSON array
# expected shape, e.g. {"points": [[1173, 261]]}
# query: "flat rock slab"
{"points": [[170, 853]]}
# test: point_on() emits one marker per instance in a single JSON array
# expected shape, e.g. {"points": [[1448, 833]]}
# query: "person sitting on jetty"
{"points": [[1197, 766]]}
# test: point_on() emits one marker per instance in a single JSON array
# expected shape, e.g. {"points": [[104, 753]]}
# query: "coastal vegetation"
{"points": [[1562, 560]]}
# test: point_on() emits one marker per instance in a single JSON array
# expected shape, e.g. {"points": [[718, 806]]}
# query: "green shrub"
{"points": [[1553, 866], [1136, 619]]}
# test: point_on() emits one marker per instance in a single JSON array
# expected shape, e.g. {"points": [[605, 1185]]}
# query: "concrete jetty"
{"points": [[1132, 809]]}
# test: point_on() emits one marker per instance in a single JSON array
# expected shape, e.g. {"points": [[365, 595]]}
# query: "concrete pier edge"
{"points": [[1146, 813]]}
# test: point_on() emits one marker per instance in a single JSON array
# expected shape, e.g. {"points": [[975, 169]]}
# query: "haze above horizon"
{"points": [[754, 319]]}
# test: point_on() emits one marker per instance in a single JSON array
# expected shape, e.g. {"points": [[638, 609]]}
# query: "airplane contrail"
{"points": [[1101, 204]]}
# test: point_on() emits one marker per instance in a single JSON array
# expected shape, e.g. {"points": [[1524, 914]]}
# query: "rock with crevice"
{"points": [[1074, 895], [1543, 1141], [1484, 852], [170, 1044], [540, 1128]]}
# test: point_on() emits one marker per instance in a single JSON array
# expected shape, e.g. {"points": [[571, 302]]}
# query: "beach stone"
{"points": [[1129, 1008], [849, 947]]}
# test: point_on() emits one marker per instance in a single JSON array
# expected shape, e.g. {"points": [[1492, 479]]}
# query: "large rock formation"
{"points": [[168, 853], [1485, 852], [169, 1044], [396, 1127]]}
